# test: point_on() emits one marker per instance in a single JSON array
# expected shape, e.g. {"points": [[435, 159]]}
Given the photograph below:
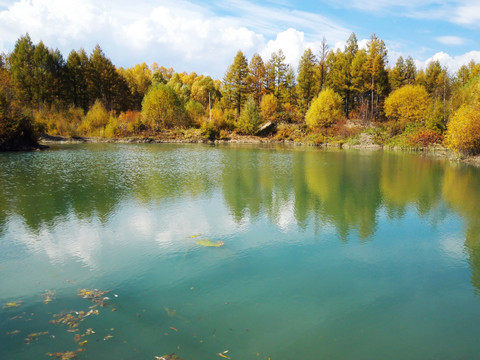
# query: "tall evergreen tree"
{"points": [[375, 66], [403, 73], [256, 78], [77, 68], [351, 50], [21, 68], [277, 71], [360, 83], [105, 83], [235, 84], [307, 82], [322, 64], [42, 84]]}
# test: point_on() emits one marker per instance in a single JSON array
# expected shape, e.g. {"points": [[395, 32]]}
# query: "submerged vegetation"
{"points": [[332, 97]]}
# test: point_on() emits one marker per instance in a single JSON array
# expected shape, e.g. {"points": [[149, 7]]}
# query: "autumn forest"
{"points": [[333, 96]]}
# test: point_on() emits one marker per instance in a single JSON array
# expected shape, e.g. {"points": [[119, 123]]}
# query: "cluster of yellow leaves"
{"points": [[464, 129], [326, 109], [268, 107], [463, 132], [409, 103]]}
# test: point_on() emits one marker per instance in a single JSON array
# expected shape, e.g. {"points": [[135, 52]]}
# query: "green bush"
{"points": [[250, 118], [96, 120], [162, 108]]}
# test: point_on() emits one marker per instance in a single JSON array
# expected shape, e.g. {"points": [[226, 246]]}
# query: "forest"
{"points": [[333, 96]]}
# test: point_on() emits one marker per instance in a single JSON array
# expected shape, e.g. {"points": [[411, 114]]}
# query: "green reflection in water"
{"points": [[283, 213]]}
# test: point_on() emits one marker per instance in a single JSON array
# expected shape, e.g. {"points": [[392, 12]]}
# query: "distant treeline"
{"points": [[85, 94]]}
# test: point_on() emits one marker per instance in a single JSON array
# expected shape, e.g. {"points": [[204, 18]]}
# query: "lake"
{"points": [[326, 255]]}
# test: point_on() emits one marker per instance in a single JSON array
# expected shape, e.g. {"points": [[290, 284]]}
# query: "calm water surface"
{"points": [[327, 255]]}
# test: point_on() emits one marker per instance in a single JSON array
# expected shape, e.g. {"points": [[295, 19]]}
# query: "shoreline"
{"points": [[436, 151]]}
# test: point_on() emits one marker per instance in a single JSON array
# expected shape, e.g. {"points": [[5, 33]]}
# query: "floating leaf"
{"points": [[195, 236], [171, 312], [64, 355], [97, 296], [13, 304], [34, 336], [73, 318], [210, 243], [14, 332], [168, 357], [48, 296], [223, 356]]}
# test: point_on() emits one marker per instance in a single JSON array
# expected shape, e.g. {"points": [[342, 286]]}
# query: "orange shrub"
{"points": [[426, 137]]}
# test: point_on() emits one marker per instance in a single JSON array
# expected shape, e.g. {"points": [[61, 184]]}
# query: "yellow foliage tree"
{"points": [[409, 103], [326, 109], [162, 108], [463, 130], [269, 107], [96, 120]]}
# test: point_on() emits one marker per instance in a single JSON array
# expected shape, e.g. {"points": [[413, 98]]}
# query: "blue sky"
{"points": [[203, 36]]}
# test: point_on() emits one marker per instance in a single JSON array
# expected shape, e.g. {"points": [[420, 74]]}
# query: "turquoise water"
{"points": [[327, 255]]}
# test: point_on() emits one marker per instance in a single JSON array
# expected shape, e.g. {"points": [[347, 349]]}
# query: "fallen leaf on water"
{"points": [[48, 296], [194, 236], [83, 343], [168, 357], [14, 332], [13, 304], [210, 243], [64, 355], [174, 329], [108, 337], [171, 312], [95, 295], [223, 356], [33, 336]]}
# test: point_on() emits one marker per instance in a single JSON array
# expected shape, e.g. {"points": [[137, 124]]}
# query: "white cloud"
{"points": [[380, 5], [450, 40], [467, 14], [363, 44], [453, 63], [49, 20], [192, 37], [462, 12], [453, 247], [176, 33], [292, 43]]}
